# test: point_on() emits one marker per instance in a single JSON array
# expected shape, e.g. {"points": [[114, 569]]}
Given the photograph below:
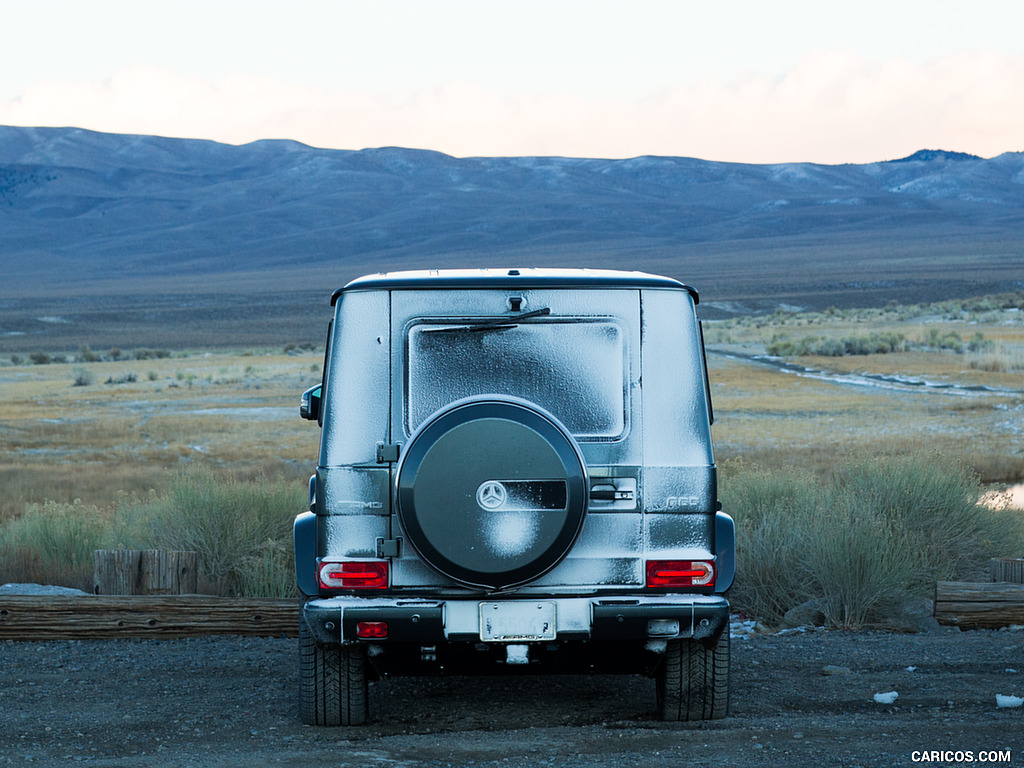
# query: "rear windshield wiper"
{"points": [[494, 324]]}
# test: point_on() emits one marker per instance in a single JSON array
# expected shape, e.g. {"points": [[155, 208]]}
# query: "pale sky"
{"points": [[757, 81]]}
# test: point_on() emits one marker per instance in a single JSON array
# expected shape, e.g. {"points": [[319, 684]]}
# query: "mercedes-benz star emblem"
{"points": [[491, 494]]}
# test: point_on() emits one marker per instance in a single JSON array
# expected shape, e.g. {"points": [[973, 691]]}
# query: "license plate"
{"points": [[518, 620]]}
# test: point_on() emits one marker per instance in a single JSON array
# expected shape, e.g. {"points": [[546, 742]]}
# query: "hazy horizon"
{"points": [[749, 82]]}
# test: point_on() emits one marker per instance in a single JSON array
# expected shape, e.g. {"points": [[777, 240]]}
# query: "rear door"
{"points": [[580, 361]]}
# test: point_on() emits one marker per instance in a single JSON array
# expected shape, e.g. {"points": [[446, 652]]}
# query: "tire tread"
{"points": [[333, 684], [693, 681]]}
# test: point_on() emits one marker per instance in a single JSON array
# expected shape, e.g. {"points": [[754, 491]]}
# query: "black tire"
{"points": [[693, 681], [333, 686]]}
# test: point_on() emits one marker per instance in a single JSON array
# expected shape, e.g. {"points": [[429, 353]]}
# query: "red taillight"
{"points": [[372, 630], [680, 573], [354, 574]]}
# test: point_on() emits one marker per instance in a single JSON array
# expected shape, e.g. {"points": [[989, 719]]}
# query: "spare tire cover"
{"points": [[492, 492]]}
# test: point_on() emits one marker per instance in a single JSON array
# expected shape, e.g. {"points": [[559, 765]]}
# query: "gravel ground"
{"points": [[798, 700]]}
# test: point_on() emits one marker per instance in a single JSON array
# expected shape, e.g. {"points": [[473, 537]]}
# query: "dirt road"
{"points": [[798, 700]]}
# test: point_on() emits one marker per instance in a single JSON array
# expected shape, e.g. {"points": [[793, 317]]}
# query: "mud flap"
{"points": [[725, 552]]}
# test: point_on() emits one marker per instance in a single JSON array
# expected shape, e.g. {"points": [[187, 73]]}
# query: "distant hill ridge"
{"points": [[930, 155], [80, 208]]}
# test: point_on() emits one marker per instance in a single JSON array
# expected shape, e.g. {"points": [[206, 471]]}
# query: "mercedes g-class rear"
{"points": [[515, 475]]}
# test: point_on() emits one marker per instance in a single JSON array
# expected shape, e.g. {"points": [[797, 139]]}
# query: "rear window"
{"points": [[575, 368]]}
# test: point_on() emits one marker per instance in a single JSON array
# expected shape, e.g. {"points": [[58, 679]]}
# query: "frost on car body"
{"points": [[515, 474]]}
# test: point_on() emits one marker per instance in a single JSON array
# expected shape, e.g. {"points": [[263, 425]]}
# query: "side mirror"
{"points": [[309, 408]]}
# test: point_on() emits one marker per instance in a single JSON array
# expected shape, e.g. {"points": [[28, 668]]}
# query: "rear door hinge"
{"points": [[387, 453], [389, 547]]}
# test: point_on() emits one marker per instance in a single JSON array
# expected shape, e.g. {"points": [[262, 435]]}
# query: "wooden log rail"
{"points": [[979, 605], [44, 617]]}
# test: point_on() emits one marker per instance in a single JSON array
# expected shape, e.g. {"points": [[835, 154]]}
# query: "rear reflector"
{"points": [[680, 573], [372, 630], [354, 574]]}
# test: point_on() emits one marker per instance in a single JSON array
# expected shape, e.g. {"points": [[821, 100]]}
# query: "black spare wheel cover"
{"points": [[492, 492]]}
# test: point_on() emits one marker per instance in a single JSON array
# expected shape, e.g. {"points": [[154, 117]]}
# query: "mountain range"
{"points": [[86, 213]]}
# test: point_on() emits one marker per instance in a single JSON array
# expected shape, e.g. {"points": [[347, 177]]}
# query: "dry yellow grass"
{"points": [[238, 414], [779, 417]]}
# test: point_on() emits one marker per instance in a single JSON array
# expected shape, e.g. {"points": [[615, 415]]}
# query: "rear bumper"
{"points": [[654, 617]]}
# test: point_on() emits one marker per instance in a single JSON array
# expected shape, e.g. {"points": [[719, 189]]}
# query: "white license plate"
{"points": [[518, 620]]}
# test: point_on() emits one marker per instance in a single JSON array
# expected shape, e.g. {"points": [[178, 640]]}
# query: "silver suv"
{"points": [[515, 475]]}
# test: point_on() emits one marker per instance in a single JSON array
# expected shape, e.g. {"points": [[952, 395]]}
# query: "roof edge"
{"points": [[442, 279]]}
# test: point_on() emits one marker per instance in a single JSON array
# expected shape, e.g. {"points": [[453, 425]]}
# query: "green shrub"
{"points": [[241, 530], [151, 354], [83, 377], [270, 572], [872, 344], [883, 530], [979, 343], [772, 510], [86, 355], [857, 563], [127, 378], [938, 339], [53, 544], [936, 500]]}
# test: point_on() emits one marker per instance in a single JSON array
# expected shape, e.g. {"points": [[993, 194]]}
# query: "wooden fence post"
{"points": [[144, 572], [1009, 569]]}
